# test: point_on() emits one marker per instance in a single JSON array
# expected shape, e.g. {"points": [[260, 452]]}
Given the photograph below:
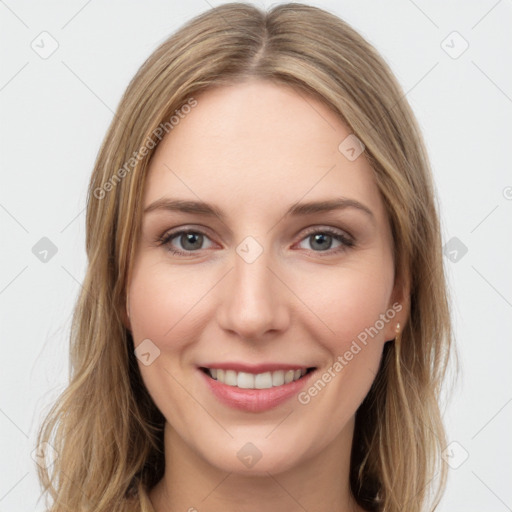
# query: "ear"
{"points": [[398, 307], [125, 314]]}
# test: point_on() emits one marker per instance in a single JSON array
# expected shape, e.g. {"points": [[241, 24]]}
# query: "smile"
{"points": [[246, 380], [255, 389]]}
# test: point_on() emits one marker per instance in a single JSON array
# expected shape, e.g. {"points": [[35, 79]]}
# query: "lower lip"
{"points": [[254, 400]]}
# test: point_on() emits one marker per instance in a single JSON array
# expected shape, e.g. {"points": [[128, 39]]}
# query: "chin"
{"points": [[251, 453]]}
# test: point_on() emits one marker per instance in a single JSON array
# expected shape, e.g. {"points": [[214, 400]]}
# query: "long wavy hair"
{"points": [[105, 428]]}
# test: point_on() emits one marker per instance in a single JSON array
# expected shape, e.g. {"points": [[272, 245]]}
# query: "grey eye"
{"points": [[321, 241], [191, 241]]}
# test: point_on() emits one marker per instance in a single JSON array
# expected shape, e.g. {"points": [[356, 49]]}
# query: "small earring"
{"points": [[397, 330]]}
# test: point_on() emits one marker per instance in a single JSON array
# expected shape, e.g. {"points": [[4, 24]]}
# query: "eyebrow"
{"points": [[296, 210]]}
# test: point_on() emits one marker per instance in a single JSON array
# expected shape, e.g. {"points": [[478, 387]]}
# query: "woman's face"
{"points": [[255, 291]]}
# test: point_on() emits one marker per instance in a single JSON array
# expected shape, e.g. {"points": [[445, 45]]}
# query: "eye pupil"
{"points": [[321, 238], [191, 238]]}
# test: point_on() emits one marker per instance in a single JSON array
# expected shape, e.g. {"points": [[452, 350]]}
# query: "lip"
{"points": [[254, 400]]}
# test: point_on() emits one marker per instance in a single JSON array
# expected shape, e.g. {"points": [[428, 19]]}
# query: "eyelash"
{"points": [[346, 241]]}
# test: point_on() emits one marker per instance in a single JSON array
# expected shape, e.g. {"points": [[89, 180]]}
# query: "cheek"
{"points": [[161, 298], [355, 304], [349, 302]]}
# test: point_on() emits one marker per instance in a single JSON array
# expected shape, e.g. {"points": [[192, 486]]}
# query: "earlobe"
{"points": [[400, 304]]}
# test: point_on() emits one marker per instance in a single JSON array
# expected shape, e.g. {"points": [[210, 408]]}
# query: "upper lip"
{"points": [[255, 368]]}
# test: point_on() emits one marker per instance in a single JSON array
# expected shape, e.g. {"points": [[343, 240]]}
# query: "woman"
{"points": [[264, 323]]}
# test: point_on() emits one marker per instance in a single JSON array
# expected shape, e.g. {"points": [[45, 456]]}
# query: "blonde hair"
{"points": [[105, 427]]}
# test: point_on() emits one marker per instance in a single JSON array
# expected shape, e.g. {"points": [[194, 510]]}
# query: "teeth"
{"points": [[230, 378], [264, 380], [244, 380], [277, 378]]}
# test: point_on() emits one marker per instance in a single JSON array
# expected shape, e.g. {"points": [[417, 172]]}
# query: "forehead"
{"points": [[257, 147]]}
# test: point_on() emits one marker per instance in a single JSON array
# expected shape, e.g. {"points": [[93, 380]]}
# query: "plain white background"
{"points": [[55, 110]]}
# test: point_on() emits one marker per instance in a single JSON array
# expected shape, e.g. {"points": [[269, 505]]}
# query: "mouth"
{"points": [[255, 389], [263, 380]]}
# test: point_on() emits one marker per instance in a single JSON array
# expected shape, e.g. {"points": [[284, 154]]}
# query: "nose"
{"points": [[253, 300]]}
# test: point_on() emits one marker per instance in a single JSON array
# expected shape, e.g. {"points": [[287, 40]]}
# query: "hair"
{"points": [[105, 428]]}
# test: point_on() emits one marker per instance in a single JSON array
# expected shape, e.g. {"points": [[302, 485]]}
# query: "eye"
{"points": [[321, 240], [189, 240]]}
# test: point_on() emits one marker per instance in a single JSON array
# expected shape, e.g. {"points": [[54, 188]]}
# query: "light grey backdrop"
{"points": [[64, 68]]}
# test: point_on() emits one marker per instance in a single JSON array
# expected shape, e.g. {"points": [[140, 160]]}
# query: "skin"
{"points": [[253, 149]]}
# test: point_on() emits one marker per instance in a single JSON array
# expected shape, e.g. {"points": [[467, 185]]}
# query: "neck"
{"points": [[191, 483]]}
